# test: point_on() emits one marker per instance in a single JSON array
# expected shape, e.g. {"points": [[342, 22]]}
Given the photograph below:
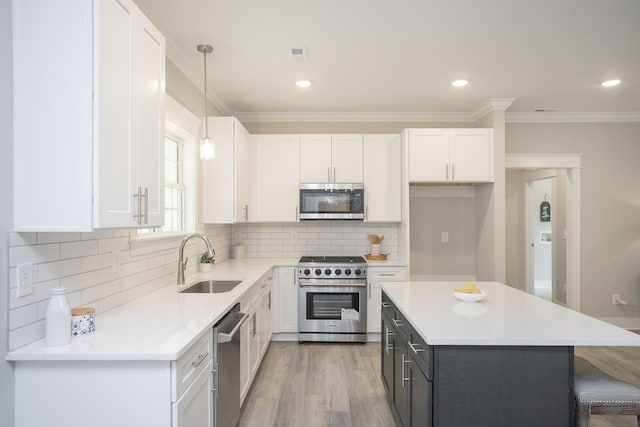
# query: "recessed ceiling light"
{"points": [[610, 83], [303, 83], [460, 83]]}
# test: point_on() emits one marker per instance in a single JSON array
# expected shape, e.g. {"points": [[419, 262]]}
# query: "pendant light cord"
{"points": [[206, 114]]}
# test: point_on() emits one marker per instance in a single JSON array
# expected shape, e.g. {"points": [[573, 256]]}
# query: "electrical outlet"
{"points": [[25, 280], [444, 237], [615, 299]]}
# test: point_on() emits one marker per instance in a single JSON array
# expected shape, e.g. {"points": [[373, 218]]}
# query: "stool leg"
{"points": [[638, 419], [584, 412]]}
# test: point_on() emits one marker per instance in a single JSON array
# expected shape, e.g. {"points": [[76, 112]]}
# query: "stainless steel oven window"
{"points": [[328, 306]]}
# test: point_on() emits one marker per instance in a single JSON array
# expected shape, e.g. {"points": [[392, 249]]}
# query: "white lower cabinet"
{"points": [[376, 275], [285, 312], [255, 334], [195, 407]]}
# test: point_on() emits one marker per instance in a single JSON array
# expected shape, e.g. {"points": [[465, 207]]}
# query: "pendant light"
{"points": [[207, 145]]}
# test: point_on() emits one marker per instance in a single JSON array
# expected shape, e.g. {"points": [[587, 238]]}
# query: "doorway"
{"points": [[565, 237], [545, 226]]}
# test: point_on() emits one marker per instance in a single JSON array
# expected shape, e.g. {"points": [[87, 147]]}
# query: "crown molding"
{"points": [[558, 117], [354, 117], [489, 106], [180, 60]]}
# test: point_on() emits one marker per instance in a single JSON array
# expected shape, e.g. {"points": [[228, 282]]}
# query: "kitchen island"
{"points": [[504, 361]]}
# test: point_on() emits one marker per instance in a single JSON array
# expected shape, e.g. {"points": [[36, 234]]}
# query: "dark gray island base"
{"points": [[473, 385]]}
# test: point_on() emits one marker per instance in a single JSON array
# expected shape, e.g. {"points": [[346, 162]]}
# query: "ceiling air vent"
{"points": [[298, 53]]}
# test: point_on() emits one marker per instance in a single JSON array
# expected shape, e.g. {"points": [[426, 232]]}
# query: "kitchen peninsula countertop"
{"points": [[507, 316], [161, 325]]}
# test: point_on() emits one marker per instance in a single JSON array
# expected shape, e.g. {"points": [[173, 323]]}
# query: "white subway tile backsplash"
{"points": [[82, 263], [78, 249], [57, 237], [22, 239], [27, 334], [23, 315], [34, 253], [58, 269]]}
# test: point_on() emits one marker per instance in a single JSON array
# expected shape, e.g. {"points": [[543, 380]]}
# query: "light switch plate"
{"points": [[25, 280]]}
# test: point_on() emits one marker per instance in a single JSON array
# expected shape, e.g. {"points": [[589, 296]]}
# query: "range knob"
{"points": [[306, 271], [318, 272], [347, 271], [327, 272], [357, 272], [338, 272]]}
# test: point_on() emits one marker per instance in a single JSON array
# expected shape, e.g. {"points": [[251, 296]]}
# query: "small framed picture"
{"points": [[545, 237]]}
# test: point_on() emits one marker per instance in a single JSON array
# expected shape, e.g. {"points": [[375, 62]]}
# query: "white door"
{"points": [[428, 155], [277, 178], [195, 407], [346, 158], [242, 172], [287, 300], [382, 177], [115, 151], [149, 64], [315, 158], [471, 155]]}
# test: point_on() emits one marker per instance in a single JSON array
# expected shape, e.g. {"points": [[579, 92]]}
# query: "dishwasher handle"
{"points": [[232, 327]]}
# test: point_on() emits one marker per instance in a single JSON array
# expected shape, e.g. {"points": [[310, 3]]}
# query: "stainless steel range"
{"points": [[332, 299]]}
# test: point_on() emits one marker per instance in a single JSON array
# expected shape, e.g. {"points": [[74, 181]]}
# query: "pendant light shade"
{"points": [[207, 145]]}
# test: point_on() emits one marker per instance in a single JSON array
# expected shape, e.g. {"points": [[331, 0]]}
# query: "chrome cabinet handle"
{"points": [[269, 301], [369, 289], [328, 174], [200, 359], [255, 325], [403, 363], [396, 323], [138, 214], [385, 304], [146, 205], [387, 274], [414, 347], [388, 346], [334, 174], [246, 212], [453, 171], [447, 172]]}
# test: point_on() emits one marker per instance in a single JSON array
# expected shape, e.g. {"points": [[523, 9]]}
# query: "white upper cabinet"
{"points": [[450, 155], [331, 158], [277, 177], [382, 178], [88, 138], [226, 179]]}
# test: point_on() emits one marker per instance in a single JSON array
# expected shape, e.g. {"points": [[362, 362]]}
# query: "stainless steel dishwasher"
{"points": [[226, 335]]}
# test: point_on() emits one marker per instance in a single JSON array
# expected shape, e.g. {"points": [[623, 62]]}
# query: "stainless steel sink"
{"points": [[212, 286]]}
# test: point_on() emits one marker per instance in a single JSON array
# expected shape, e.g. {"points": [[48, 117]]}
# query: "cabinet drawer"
{"points": [[187, 368], [387, 274], [420, 352]]}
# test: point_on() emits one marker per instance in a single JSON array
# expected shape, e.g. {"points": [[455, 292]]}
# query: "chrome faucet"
{"points": [[182, 263]]}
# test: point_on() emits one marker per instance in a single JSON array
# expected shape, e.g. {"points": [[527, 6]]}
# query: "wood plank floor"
{"points": [[338, 385], [318, 385]]}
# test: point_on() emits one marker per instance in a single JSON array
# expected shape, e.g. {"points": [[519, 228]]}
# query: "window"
{"points": [[174, 190], [179, 185]]}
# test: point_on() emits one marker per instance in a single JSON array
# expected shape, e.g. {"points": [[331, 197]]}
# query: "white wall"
{"points": [[610, 210], [6, 195]]}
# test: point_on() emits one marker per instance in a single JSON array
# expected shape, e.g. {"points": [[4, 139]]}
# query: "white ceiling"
{"points": [[394, 57]]}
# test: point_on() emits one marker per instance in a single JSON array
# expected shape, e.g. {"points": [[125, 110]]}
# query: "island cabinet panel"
{"points": [[472, 385]]}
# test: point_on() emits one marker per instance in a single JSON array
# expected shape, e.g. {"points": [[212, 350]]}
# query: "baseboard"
{"points": [[623, 322]]}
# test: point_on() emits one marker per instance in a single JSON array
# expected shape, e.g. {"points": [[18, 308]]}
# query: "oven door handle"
{"points": [[331, 285]]}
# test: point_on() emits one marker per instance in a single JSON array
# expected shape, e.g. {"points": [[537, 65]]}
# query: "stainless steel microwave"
{"points": [[331, 201]]}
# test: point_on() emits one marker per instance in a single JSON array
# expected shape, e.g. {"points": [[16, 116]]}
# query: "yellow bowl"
{"points": [[470, 297]]}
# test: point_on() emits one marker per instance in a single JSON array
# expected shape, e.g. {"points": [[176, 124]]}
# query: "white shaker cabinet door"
{"points": [[472, 155], [130, 108], [277, 180], [346, 158], [428, 155], [382, 177], [315, 159]]}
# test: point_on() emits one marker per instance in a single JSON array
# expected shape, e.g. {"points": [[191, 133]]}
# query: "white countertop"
{"points": [[161, 325], [506, 316]]}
